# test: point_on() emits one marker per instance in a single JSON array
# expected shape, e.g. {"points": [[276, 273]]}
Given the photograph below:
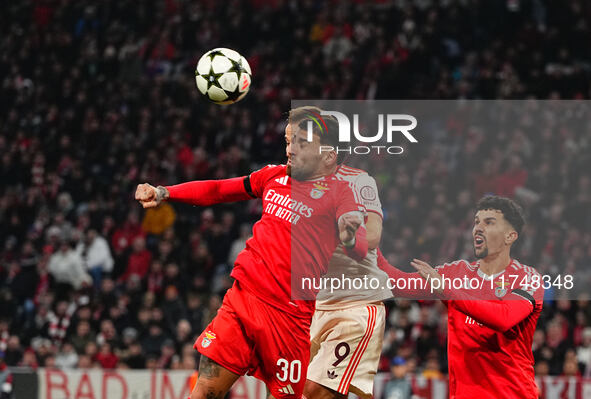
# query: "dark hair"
{"points": [[325, 126], [511, 211]]}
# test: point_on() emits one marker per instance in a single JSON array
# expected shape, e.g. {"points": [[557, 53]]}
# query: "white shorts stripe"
{"points": [[350, 371]]}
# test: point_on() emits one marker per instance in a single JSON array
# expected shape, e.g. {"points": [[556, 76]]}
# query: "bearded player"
{"points": [[490, 328], [260, 330], [348, 325]]}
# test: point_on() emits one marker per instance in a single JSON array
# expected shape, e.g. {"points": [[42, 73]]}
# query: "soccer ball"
{"points": [[223, 76]]}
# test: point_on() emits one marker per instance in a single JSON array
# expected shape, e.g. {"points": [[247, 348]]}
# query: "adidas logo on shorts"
{"points": [[331, 374], [287, 390]]}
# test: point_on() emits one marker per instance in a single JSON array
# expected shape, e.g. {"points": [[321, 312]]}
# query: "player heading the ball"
{"points": [[260, 329]]}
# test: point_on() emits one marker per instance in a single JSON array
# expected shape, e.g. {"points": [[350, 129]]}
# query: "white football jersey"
{"points": [[361, 282]]}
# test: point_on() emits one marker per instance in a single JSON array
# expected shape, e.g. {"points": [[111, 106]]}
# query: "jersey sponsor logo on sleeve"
{"points": [[368, 193]]}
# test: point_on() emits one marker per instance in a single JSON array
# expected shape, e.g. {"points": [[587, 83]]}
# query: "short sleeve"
{"points": [[346, 201], [256, 181], [368, 194], [531, 287]]}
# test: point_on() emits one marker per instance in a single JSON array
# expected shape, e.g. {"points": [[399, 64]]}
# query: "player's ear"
{"points": [[330, 157], [511, 237]]}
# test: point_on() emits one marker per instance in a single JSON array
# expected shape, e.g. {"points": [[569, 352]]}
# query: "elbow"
{"points": [[373, 240]]}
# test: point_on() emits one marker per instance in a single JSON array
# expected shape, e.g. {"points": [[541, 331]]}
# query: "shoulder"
{"points": [[269, 171], [272, 168], [359, 178], [518, 268], [353, 175], [339, 184], [531, 285], [346, 172]]}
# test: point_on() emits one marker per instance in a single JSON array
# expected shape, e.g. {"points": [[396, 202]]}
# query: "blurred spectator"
{"points": [[542, 368], [155, 277], [125, 235], [172, 307], [398, 386], [338, 47], [13, 352], [153, 342], [107, 334], [183, 333], [166, 355], [151, 362], [106, 358], [29, 359], [67, 268], [91, 350], [59, 321], [210, 311], [66, 357], [432, 368], [139, 260], [584, 352], [135, 357], [557, 346], [85, 362], [82, 337], [96, 254], [195, 311]]}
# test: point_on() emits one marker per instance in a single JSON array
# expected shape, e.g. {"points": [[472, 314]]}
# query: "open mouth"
{"points": [[478, 241]]}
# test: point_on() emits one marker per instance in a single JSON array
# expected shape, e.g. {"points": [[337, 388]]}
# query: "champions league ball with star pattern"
{"points": [[223, 76]]}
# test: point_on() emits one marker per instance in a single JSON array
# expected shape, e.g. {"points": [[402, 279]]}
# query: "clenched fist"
{"points": [[150, 196], [348, 225]]}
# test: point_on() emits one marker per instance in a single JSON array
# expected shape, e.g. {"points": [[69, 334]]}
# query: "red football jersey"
{"points": [[296, 234], [486, 362]]}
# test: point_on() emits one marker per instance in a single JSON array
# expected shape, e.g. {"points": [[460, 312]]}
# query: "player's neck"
{"points": [[496, 263], [327, 171]]}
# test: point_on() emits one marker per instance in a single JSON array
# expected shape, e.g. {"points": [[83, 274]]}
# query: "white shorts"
{"points": [[345, 348]]}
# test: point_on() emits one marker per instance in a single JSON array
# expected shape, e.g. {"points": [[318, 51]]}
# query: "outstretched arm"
{"points": [[203, 193], [500, 315], [414, 286]]}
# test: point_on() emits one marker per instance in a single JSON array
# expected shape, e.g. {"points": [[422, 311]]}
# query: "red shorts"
{"points": [[249, 336]]}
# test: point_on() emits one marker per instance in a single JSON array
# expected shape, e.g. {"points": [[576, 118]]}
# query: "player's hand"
{"points": [[150, 196], [427, 272], [348, 225]]}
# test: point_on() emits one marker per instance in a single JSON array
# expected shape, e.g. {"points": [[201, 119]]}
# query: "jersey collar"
{"points": [[488, 277]]}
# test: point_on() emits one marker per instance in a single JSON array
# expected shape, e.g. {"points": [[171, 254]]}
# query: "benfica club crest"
{"points": [[318, 190], [207, 339], [501, 291]]}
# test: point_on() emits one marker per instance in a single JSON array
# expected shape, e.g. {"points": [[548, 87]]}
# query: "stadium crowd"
{"points": [[98, 96]]}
